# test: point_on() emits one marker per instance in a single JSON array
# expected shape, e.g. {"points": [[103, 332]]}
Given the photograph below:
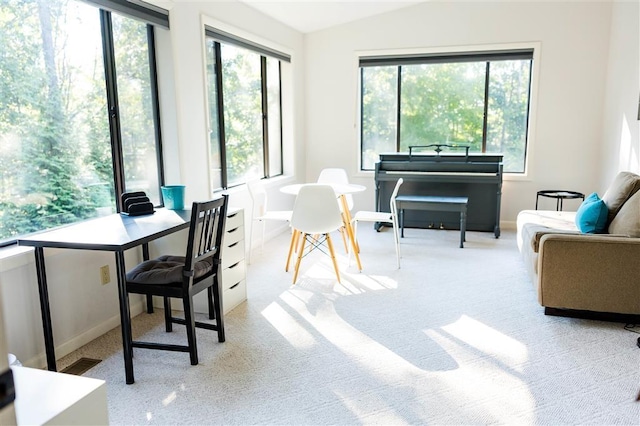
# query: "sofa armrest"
{"points": [[590, 272], [537, 238]]}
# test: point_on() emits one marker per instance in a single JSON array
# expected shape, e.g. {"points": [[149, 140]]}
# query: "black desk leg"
{"points": [[125, 318], [401, 223], [45, 310], [145, 256]]}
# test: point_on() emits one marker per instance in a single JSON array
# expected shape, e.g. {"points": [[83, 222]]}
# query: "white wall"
{"points": [[82, 308], [620, 134], [322, 100], [574, 39]]}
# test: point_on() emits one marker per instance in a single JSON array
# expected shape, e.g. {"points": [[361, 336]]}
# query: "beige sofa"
{"points": [[587, 275]]}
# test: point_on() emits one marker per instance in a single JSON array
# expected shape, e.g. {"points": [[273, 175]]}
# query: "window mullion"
{"points": [[220, 100], [486, 107], [153, 74], [399, 108], [265, 118], [112, 105]]}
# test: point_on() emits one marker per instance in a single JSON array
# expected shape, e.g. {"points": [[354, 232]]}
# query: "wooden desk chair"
{"points": [[183, 277]]}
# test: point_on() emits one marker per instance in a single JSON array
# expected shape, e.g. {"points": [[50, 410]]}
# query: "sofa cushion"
{"points": [[627, 221], [533, 224], [623, 186], [591, 217]]}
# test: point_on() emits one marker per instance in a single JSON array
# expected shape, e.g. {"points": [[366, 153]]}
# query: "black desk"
{"points": [[115, 233]]}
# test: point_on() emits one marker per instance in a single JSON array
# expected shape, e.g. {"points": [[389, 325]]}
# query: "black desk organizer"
{"points": [[136, 204]]}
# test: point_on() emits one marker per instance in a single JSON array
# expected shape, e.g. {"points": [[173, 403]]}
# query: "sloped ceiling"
{"points": [[307, 16]]}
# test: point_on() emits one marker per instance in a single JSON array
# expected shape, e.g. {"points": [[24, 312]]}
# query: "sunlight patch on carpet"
{"points": [[288, 327], [490, 341]]}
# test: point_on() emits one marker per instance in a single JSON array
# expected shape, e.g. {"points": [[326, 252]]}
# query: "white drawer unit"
{"points": [[234, 270]]}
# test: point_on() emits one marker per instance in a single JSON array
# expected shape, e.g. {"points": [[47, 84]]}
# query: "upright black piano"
{"points": [[476, 176]]}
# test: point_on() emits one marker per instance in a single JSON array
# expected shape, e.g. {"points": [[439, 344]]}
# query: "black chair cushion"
{"points": [[166, 270]]}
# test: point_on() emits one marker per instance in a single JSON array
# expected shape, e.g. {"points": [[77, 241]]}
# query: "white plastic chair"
{"points": [[338, 175], [335, 175], [315, 214], [391, 217], [260, 213]]}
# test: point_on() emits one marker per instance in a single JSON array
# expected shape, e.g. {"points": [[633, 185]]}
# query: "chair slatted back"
{"points": [[206, 231]]}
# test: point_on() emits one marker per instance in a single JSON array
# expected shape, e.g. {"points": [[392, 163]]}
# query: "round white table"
{"points": [[341, 190]]}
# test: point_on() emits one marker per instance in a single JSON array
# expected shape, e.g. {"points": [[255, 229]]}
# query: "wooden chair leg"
{"points": [[168, 323], [300, 252], [294, 243], [333, 256], [343, 233], [190, 323]]}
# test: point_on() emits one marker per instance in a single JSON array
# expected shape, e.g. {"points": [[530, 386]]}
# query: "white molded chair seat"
{"points": [[391, 217], [315, 215]]}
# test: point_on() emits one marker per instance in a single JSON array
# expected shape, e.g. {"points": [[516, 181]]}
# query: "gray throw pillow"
{"points": [[627, 221], [623, 186]]}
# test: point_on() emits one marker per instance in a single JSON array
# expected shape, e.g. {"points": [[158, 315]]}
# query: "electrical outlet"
{"points": [[105, 277]]}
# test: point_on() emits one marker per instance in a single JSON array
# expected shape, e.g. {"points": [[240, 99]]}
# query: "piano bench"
{"points": [[434, 203]]}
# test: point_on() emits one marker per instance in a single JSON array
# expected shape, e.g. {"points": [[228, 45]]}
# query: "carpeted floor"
{"points": [[454, 337]]}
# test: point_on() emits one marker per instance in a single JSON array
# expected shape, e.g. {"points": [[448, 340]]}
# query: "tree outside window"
{"points": [[245, 118], [481, 102], [56, 147]]}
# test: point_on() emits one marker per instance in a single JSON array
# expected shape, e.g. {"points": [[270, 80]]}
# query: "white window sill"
{"points": [[15, 256]]}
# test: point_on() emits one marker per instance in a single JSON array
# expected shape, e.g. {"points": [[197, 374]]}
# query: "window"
{"points": [[480, 100], [68, 147], [245, 114]]}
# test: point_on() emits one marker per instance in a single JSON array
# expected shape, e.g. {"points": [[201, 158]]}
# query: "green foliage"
{"points": [[444, 104], [242, 91], [51, 115]]}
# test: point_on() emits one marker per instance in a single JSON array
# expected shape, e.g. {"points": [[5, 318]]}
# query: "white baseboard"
{"points": [[64, 349]]}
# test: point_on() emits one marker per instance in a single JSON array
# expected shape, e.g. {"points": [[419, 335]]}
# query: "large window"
{"points": [[479, 100], [78, 113], [244, 98]]}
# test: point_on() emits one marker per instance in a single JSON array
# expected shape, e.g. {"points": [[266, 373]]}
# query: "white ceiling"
{"points": [[312, 15], [308, 16]]}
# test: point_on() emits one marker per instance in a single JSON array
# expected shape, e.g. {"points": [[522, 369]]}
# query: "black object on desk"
{"points": [[116, 233], [559, 195]]}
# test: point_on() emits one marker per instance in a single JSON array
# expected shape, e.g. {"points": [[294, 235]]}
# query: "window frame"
{"points": [[527, 50], [219, 38], [149, 17]]}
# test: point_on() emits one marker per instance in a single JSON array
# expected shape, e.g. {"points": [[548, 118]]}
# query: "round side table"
{"points": [[559, 195]]}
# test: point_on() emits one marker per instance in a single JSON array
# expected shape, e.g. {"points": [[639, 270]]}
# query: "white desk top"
{"points": [[46, 397]]}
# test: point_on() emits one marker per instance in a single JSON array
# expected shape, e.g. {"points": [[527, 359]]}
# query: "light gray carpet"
{"points": [[454, 337]]}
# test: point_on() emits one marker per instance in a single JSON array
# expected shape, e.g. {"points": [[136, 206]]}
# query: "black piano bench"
{"points": [[434, 203]]}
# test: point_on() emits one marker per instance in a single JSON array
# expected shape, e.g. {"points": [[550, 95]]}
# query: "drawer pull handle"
{"points": [[232, 215], [234, 286], [234, 244], [232, 230], [234, 265]]}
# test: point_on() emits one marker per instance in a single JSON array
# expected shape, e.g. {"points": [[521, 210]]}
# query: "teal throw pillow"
{"points": [[591, 217]]}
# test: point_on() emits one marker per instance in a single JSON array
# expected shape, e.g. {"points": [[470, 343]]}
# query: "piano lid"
{"points": [[434, 153]]}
